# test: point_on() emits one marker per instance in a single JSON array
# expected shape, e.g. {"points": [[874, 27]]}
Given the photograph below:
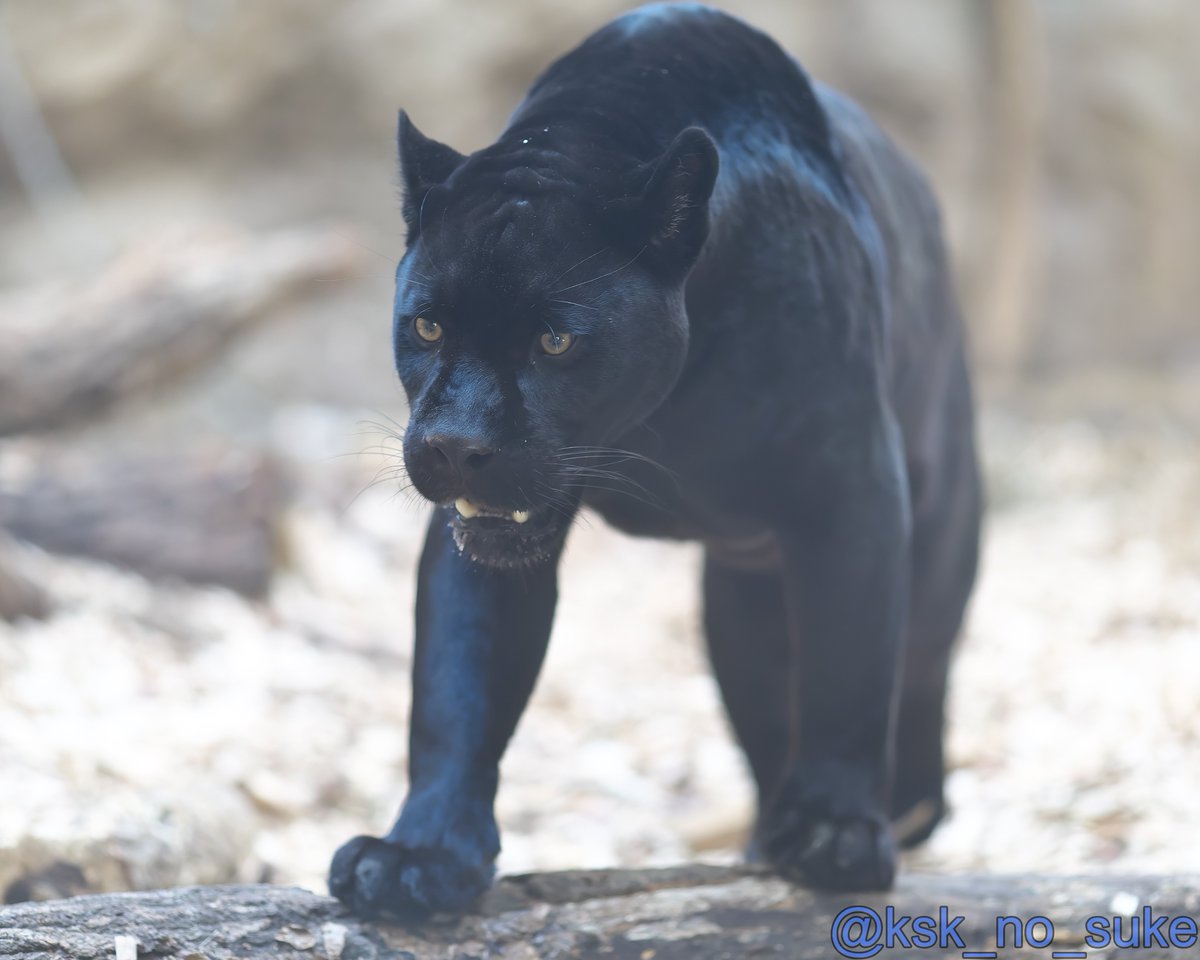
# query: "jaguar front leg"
{"points": [[481, 635]]}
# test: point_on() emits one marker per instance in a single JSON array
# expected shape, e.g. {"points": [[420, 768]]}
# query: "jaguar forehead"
{"points": [[523, 180]]}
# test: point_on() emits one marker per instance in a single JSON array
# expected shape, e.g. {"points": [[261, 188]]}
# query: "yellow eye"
{"points": [[428, 330], [555, 344]]}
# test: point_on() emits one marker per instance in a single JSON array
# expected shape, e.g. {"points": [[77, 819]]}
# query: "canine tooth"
{"points": [[466, 509], [520, 515]]}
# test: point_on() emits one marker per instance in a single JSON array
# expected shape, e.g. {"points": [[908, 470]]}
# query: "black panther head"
{"points": [[539, 311]]}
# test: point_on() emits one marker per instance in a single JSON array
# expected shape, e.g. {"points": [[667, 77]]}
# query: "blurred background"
{"points": [[206, 561]]}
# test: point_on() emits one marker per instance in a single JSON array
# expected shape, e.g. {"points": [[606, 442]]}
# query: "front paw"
{"points": [[374, 877], [808, 843]]}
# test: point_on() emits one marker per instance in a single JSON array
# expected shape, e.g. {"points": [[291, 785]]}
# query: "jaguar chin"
{"points": [[505, 539]]}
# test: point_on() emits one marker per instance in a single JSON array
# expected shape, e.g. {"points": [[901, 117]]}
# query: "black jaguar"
{"points": [[706, 297]]}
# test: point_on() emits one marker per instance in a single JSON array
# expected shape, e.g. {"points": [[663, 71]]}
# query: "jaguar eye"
{"points": [[555, 344], [428, 330]]}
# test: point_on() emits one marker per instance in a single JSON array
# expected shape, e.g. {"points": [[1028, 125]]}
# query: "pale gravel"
{"points": [[161, 735]]}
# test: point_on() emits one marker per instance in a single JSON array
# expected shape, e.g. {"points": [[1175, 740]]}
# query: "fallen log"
{"points": [[19, 596], [686, 913], [204, 516], [68, 352]]}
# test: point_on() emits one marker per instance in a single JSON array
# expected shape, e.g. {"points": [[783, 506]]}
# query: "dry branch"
{"points": [[67, 352], [688, 913], [206, 516]]}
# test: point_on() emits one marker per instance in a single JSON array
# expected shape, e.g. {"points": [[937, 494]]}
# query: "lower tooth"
{"points": [[520, 515]]}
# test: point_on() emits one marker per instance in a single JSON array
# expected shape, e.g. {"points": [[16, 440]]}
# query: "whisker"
{"points": [[649, 502], [614, 478], [350, 237], [379, 451], [381, 476], [559, 501], [357, 241], [582, 306], [612, 482], [572, 515], [393, 428], [602, 276], [575, 454], [579, 264]]}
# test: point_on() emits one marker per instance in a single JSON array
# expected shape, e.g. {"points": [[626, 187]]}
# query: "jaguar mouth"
{"points": [[505, 538], [469, 510]]}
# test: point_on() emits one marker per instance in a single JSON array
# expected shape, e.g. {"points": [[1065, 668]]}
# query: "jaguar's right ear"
{"points": [[424, 163], [664, 218]]}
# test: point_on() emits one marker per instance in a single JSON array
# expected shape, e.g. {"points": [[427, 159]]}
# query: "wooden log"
{"points": [[686, 913], [1015, 94], [19, 596], [205, 516], [68, 352]]}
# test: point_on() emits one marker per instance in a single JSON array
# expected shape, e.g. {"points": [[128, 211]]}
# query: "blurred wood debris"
{"points": [[206, 516], [19, 596], [69, 351]]}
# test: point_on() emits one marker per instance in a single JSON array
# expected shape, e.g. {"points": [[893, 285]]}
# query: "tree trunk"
{"points": [[686, 913], [19, 596], [67, 353], [205, 516]]}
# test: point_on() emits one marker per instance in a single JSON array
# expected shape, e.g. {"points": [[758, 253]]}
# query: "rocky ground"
{"points": [[156, 735]]}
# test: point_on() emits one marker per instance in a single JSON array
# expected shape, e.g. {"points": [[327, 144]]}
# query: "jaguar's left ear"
{"points": [[424, 163], [672, 212]]}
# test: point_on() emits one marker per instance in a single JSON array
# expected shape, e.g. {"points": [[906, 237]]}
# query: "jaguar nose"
{"points": [[464, 455]]}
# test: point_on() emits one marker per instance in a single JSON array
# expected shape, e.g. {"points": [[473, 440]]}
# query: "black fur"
{"points": [[767, 357]]}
